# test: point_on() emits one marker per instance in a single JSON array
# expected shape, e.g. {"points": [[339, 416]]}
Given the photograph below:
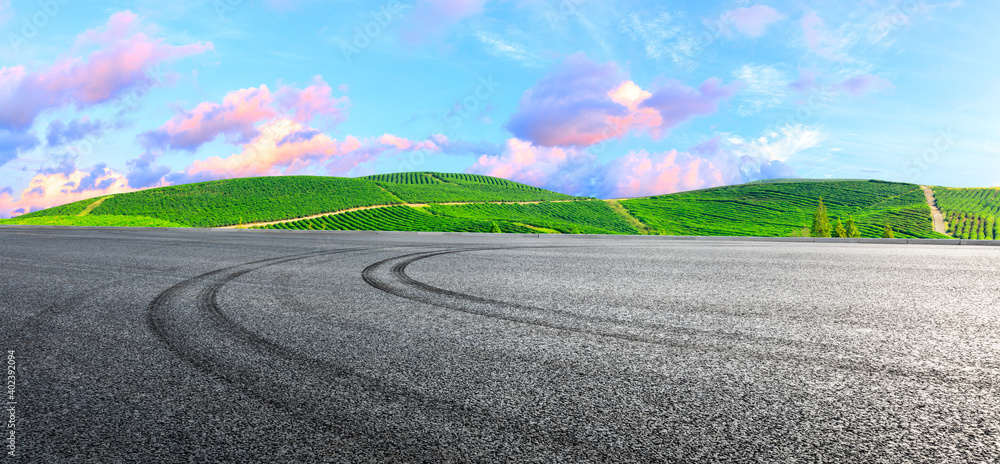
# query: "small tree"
{"points": [[495, 229], [852, 228], [887, 233], [821, 223], [839, 229]]}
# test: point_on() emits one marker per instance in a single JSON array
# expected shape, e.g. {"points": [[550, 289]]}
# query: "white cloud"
{"points": [[659, 37], [764, 87], [506, 49], [781, 145]]}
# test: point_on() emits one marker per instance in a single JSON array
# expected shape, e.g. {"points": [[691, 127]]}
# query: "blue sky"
{"points": [[590, 97]]}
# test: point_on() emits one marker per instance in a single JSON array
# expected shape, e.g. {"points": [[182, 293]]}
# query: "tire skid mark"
{"points": [[183, 326], [389, 275], [189, 329]]}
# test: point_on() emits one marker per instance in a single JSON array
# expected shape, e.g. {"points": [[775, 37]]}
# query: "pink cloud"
{"points": [[855, 86], [862, 84], [284, 146], [406, 144], [240, 112], [818, 38], [573, 171], [46, 190], [807, 81], [569, 106], [643, 174], [677, 102], [316, 100], [637, 118], [521, 161], [753, 21], [713, 163], [121, 62], [580, 103], [236, 116]]}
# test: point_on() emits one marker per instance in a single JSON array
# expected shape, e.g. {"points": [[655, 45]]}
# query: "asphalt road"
{"points": [[245, 346]]}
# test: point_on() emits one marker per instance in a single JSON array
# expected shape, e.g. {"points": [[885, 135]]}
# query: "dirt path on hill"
{"points": [[935, 212], [411, 205], [93, 205]]}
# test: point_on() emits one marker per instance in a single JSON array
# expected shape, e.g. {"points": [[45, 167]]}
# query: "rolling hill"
{"points": [[775, 208], [430, 201]]}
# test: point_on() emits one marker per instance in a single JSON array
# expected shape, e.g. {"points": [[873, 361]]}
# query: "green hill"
{"points": [[431, 201], [970, 213], [263, 199], [777, 208], [576, 217]]}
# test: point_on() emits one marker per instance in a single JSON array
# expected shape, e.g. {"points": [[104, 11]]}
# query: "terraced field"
{"points": [[430, 201], [264, 199], [235, 201], [577, 217], [970, 213], [434, 187], [779, 208], [400, 218]]}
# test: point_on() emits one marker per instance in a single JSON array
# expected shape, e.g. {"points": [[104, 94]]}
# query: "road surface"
{"points": [[256, 346]]}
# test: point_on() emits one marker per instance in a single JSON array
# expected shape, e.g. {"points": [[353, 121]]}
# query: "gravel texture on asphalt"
{"points": [[253, 346]]}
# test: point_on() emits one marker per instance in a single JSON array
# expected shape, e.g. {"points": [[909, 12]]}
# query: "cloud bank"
{"points": [[239, 113], [582, 102]]}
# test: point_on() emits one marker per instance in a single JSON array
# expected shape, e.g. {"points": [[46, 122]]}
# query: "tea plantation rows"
{"points": [[474, 203], [398, 218], [776, 209], [970, 213]]}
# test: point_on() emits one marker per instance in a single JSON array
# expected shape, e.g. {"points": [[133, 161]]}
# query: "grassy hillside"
{"points": [[435, 187], [971, 213], [577, 217], [766, 208], [92, 221], [235, 201], [264, 199], [778, 208]]}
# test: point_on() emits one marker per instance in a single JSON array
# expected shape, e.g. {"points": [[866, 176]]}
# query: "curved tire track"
{"points": [[390, 276], [188, 320], [377, 420]]}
